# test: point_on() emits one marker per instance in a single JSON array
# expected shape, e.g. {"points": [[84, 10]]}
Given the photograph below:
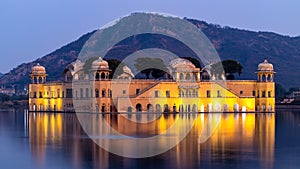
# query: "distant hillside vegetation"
{"points": [[247, 47]]}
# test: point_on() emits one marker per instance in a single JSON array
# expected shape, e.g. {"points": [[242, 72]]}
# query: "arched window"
{"points": [[41, 80], [188, 76], [96, 93], [102, 75], [68, 77], [264, 77], [269, 78], [103, 92], [180, 76], [97, 77], [195, 78], [194, 93]]}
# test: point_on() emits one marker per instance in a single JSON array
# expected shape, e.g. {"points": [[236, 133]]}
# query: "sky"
{"points": [[30, 29]]}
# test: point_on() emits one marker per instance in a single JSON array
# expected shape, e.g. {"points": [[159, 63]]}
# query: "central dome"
{"points": [[265, 66], [179, 62], [100, 64]]}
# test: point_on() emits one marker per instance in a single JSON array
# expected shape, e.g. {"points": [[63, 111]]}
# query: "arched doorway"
{"points": [[225, 108], [188, 108], [158, 108], [174, 109], [195, 108], [269, 108], [181, 108], [150, 108], [209, 107], [166, 108], [217, 107], [236, 107], [103, 108], [138, 107], [263, 108]]}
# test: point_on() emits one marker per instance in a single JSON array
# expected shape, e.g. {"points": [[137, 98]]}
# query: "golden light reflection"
{"points": [[240, 132], [44, 129]]}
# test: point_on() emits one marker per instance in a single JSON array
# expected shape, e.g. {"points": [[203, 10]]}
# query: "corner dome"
{"points": [[38, 69], [100, 64], [127, 70], [77, 65], [265, 66]]}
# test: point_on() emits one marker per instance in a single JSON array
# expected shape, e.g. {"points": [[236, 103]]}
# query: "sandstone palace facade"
{"points": [[188, 90]]}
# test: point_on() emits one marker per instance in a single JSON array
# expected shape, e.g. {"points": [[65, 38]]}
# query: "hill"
{"points": [[247, 47]]}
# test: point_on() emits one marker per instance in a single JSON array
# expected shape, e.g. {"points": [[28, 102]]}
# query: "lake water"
{"points": [[49, 140]]}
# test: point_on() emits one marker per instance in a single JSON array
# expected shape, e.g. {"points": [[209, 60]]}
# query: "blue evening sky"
{"points": [[30, 29]]}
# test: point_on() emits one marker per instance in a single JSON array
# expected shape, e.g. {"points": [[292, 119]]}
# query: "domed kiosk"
{"points": [[100, 69], [265, 72], [38, 74], [183, 70], [127, 73]]}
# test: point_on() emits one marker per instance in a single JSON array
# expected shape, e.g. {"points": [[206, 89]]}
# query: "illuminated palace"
{"points": [[189, 90]]}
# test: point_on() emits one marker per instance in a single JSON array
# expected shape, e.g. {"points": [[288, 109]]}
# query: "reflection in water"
{"points": [[239, 138]]}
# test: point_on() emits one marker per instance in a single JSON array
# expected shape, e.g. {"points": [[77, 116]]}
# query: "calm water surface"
{"points": [[48, 140]]}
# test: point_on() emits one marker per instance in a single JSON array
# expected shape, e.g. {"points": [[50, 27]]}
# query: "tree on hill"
{"points": [[116, 67], [151, 66], [196, 62], [229, 67]]}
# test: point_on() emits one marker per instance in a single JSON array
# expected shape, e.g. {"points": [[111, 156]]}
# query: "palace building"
{"points": [[188, 89]]}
